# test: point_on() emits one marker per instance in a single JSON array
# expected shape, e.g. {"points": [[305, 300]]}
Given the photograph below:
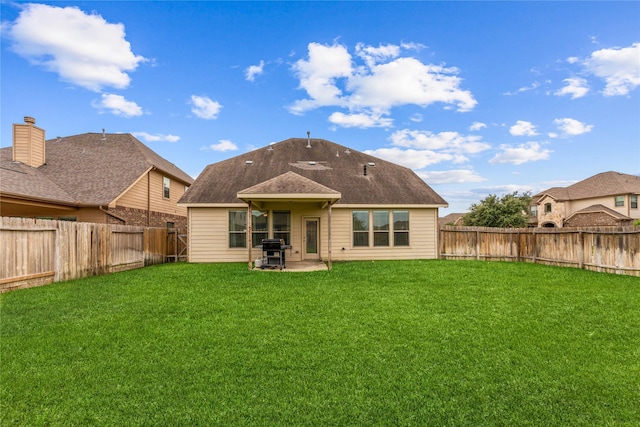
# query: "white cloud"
{"points": [[360, 120], [414, 159], [575, 86], [523, 128], [459, 176], [156, 138], [331, 78], [417, 117], [254, 70], [117, 105], [450, 142], [619, 67], [529, 152], [572, 127], [222, 145], [82, 49], [204, 107], [477, 126]]}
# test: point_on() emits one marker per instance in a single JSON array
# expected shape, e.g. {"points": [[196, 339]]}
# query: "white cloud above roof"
{"points": [[117, 105], [158, 137], [523, 153], [618, 67], [457, 176], [204, 107], [451, 142], [523, 128], [222, 146], [384, 79], [83, 49]]}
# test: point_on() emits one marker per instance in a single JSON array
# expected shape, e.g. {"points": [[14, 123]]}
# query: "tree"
{"points": [[510, 210]]}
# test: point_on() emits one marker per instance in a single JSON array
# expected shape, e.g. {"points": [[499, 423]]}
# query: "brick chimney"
{"points": [[28, 143]]}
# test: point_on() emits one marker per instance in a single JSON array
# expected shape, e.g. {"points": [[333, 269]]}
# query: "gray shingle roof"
{"points": [[597, 209], [603, 184], [327, 163], [85, 169]]}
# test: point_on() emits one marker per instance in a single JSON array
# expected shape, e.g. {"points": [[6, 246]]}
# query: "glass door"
{"points": [[311, 238]]}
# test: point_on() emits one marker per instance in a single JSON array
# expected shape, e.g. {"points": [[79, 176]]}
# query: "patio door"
{"points": [[311, 238]]}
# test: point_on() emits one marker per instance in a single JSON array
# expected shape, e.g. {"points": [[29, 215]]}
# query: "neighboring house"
{"points": [[605, 199], [325, 200], [451, 219], [93, 177]]}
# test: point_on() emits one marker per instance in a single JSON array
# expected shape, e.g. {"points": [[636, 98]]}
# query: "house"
{"points": [[325, 200], [93, 177], [451, 219], [605, 199]]}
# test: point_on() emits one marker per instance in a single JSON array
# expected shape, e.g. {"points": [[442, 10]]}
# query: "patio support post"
{"points": [[250, 231], [329, 214]]}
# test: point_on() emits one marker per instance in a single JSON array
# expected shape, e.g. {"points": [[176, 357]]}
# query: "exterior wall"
{"points": [[10, 207], [159, 203], [208, 235], [28, 144], [557, 214]]}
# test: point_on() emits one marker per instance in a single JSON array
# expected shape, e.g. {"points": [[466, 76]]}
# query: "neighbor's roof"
{"points": [[600, 209], [329, 164], [85, 169], [602, 184]]}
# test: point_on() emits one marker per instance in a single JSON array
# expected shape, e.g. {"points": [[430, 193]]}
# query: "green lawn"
{"points": [[436, 343]]}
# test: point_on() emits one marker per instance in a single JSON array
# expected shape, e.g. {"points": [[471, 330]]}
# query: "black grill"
{"points": [[273, 253]]}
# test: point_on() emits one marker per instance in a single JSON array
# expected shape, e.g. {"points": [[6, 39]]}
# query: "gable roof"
{"points": [[603, 184], [326, 163], [599, 209], [289, 185], [85, 169]]}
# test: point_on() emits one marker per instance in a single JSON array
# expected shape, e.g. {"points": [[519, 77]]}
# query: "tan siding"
{"points": [[136, 196], [28, 144], [92, 215], [159, 203], [208, 235]]}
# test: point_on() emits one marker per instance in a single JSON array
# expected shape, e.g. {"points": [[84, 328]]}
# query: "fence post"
{"points": [[580, 250], [477, 244], [535, 246]]}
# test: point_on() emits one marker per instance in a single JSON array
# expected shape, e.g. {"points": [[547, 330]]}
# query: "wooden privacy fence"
{"points": [[37, 252], [603, 249]]}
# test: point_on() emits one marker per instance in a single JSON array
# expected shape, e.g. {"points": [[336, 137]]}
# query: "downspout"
{"points": [[329, 215], [249, 231], [149, 197]]}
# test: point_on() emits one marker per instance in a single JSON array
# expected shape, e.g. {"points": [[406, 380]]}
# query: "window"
{"points": [[400, 228], [547, 208], [634, 201], [360, 228], [237, 229], [259, 227], [282, 226], [380, 228], [171, 224], [382, 225], [166, 187], [533, 210], [619, 201]]}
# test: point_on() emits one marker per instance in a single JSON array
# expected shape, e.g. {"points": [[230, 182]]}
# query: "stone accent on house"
{"points": [[556, 216], [133, 216]]}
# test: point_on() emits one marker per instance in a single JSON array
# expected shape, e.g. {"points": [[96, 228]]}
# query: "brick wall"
{"points": [[132, 216]]}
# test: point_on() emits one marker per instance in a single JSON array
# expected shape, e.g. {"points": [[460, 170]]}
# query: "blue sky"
{"points": [[477, 97]]}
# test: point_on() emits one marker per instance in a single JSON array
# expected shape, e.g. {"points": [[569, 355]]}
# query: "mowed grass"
{"points": [[438, 343]]}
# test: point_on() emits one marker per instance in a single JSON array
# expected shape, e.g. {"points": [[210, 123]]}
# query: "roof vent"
{"points": [[347, 151], [29, 120], [248, 162], [312, 162], [104, 135], [308, 139], [371, 164], [337, 154]]}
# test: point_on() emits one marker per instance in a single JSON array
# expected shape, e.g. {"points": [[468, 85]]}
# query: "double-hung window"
{"points": [[619, 201], [259, 226], [400, 228], [380, 228], [237, 229], [166, 187], [282, 226], [634, 201], [360, 228]]}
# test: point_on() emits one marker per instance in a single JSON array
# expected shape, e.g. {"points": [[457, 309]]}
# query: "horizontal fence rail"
{"points": [[603, 249], [36, 252]]}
